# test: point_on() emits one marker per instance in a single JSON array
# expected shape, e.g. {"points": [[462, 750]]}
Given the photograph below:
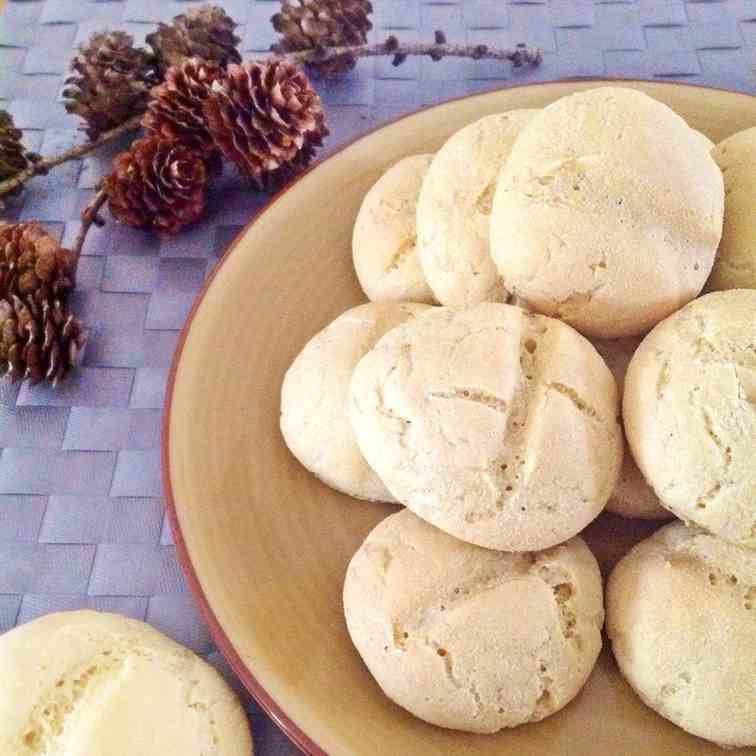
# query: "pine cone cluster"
{"points": [[176, 108], [266, 118], [157, 184], [318, 24], [205, 32], [111, 81], [40, 338]]}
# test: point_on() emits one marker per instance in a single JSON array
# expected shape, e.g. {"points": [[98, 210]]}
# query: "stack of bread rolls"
{"points": [[536, 350]]}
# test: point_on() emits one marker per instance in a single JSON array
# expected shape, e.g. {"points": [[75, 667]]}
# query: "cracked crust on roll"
{"points": [[681, 615], [454, 209], [689, 410], [468, 638], [497, 426], [384, 241], [585, 225]]}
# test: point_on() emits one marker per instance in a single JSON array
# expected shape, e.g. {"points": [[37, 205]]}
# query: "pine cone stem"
{"points": [[521, 55], [89, 218], [45, 164]]}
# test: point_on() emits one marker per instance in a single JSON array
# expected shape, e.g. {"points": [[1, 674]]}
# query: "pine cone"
{"points": [[319, 24], [32, 263], [39, 341], [266, 118], [175, 110], [111, 81], [205, 32], [13, 156], [157, 184]]}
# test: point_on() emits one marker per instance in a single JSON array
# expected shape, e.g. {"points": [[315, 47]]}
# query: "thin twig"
{"points": [[44, 165], [521, 55], [89, 218]]}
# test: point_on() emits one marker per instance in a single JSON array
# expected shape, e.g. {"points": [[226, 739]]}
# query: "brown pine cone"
{"points": [[266, 118], [13, 156], [157, 184], [175, 110], [205, 32], [32, 263], [319, 24], [39, 341], [111, 81]]}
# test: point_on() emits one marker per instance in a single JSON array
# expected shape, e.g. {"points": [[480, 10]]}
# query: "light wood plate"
{"points": [[265, 545]]}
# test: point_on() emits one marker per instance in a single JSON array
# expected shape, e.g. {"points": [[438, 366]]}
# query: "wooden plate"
{"points": [[265, 545]]}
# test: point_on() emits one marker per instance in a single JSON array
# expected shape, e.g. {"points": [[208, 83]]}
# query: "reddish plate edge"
{"points": [[290, 728]]}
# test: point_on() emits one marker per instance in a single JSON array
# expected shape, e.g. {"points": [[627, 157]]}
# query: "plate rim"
{"points": [[224, 644]]}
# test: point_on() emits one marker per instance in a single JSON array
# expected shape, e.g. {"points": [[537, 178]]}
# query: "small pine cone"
{"points": [[205, 32], [175, 110], [111, 81], [319, 24], [157, 184], [39, 341], [13, 156], [32, 263], [266, 118]]}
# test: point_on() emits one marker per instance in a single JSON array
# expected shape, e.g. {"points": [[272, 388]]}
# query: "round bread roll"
{"points": [[681, 615], [497, 426], [735, 266], [454, 208], [608, 212], [632, 497], [315, 392], [384, 242], [469, 638], [690, 413], [85, 683]]}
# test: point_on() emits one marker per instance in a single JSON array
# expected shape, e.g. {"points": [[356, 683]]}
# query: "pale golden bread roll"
{"points": [[314, 397], [454, 208], [89, 683], [681, 615], [689, 411], [384, 241], [469, 638], [497, 426], [607, 213], [735, 266]]}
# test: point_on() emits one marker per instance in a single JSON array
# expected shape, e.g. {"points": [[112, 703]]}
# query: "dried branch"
{"points": [[45, 164], [89, 218], [521, 55]]}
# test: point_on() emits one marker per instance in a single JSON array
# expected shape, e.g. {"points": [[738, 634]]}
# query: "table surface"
{"points": [[81, 508]]}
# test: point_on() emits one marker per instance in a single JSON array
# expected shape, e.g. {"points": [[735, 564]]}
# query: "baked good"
{"points": [[689, 410], [586, 224], [735, 266], [680, 615], [632, 496], [314, 416], [497, 426], [703, 139], [384, 241], [85, 683], [469, 638], [454, 208]]}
